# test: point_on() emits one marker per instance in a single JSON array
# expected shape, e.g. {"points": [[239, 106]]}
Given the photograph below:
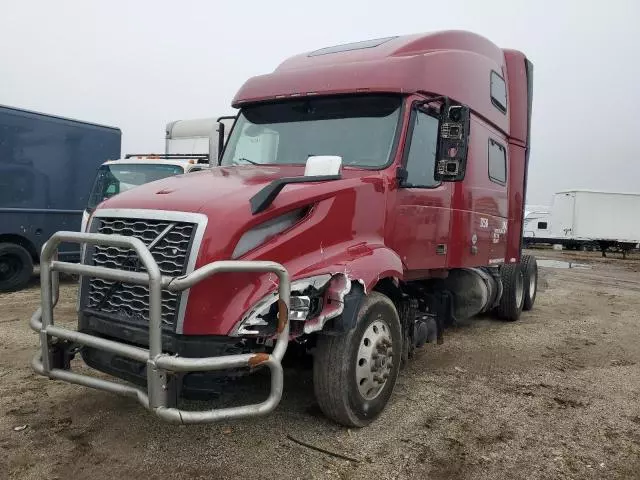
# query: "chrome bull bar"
{"points": [[159, 364]]}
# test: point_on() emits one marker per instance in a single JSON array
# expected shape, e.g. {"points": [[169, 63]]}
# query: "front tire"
{"points": [[354, 373]]}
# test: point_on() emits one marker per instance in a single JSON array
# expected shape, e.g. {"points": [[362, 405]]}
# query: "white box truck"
{"points": [[580, 219], [198, 135], [190, 145]]}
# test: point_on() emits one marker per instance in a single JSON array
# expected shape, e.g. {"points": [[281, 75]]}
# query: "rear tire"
{"points": [[16, 267], [354, 373], [512, 300], [530, 272]]}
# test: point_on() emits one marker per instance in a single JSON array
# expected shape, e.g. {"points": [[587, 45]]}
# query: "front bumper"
{"points": [[160, 367], [192, 385]]}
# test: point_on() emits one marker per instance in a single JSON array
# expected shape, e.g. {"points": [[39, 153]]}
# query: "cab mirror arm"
{"points": [[221, 137]]}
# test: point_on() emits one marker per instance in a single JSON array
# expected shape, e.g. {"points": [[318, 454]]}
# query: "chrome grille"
{"points": [[169, 243]]}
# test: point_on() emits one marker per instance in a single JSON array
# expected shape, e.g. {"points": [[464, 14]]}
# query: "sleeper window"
{"points": [[498, 92], [497, 162]]}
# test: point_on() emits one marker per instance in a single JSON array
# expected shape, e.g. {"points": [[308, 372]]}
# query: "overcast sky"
{"points": [[139, 64]]}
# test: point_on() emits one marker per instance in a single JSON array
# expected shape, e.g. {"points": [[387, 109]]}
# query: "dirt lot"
{"points": [[555, 395]]}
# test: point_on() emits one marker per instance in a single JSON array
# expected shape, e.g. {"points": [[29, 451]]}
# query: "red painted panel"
{"points": [[516, 202], [517, 91], [519, 129], [342, 227], [420, 223], [479, 206]]}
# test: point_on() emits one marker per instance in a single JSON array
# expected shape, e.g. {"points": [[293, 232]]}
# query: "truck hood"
{"points": [[223, 194], [194, 192]]}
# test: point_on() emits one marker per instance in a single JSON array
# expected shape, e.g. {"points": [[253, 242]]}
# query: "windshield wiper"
{"points": [[248, 161]]}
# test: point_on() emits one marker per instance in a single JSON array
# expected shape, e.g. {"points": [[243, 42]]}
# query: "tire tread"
{"points": [[508, 308], [529, 266], [22, 279]]}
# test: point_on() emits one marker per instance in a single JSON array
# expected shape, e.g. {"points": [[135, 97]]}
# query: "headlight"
{"points": [[304, 302], [265, 231]]}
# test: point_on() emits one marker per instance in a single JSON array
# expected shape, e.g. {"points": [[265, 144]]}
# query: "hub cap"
{"points": [[374, 360]]}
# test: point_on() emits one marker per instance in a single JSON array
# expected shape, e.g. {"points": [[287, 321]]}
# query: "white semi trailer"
{"points": [[580, 219]]}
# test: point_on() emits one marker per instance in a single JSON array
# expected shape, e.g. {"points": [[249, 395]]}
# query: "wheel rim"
{"points": [[520, 288], [375, 359], [532, 283], [9, 267]]}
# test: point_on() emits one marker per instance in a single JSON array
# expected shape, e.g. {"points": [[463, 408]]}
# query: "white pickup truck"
{"points": [[190, 145], [117, 176]]}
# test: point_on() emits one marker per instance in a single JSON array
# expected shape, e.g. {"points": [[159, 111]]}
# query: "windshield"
{"points": [[360, 129], [113, 179]]}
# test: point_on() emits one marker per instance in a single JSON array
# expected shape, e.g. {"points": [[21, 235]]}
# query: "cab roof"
{"points": [[454, 63]]}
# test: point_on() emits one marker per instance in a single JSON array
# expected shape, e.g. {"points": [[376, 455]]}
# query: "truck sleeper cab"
{"points": [[368, 195]]}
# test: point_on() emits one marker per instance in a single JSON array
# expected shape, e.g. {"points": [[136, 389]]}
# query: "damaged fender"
{"points": [[350, 283], [341, 281]]}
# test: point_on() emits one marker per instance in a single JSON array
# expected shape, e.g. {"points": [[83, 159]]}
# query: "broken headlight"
{"points": [[305, 302]]}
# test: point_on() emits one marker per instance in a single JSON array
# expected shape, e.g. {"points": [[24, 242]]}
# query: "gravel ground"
{"points": [[555, 395]]}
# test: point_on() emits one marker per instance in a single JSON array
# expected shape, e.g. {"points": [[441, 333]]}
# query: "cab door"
{"points": [[422, 209]]}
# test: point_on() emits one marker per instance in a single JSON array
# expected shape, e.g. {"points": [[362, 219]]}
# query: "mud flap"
{"points": [[408, 310]]}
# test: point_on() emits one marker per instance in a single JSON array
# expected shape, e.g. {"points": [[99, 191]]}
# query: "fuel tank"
{"points": [[475, 290]]}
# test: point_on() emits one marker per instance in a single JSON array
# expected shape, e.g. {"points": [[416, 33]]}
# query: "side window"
{"points": [[498, 92], [542, 225], [421, 158], [497, 162]]}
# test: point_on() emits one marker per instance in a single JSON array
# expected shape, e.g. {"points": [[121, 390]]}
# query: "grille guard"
{"points": [[159, 364]]}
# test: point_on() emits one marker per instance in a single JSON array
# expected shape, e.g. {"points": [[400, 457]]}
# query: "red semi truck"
{"points": [[368, 195]]}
